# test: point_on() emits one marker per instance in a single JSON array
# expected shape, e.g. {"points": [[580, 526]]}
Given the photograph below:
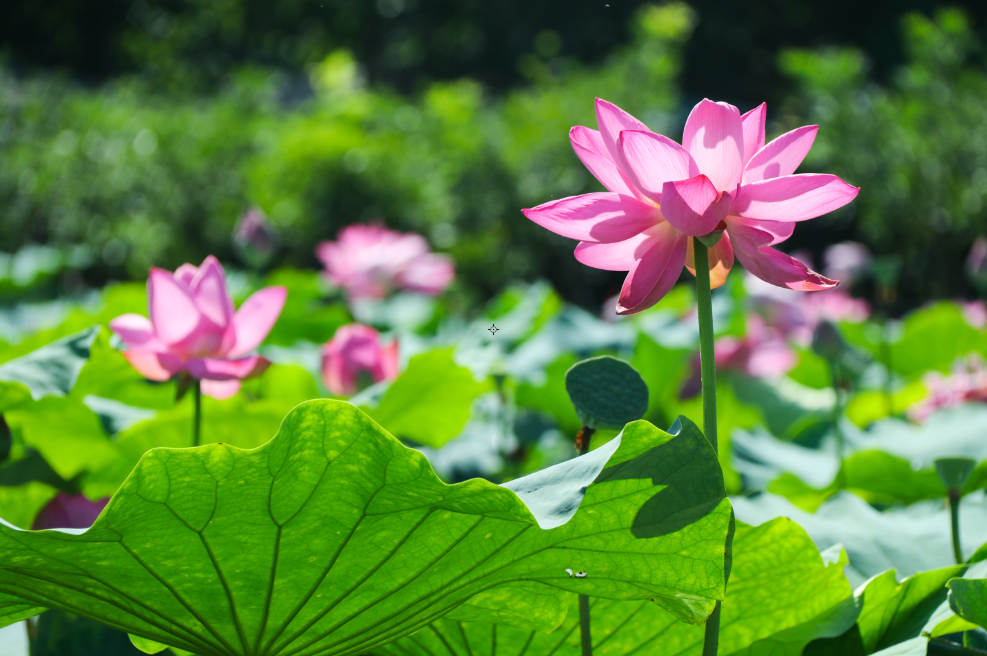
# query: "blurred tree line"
{"points": [[144, 129]]}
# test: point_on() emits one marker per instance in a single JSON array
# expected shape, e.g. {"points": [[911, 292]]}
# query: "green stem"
{"points": [[586, 638], [834, 373], [954, 519], [707, 366], [584, 634], [197, 421]]}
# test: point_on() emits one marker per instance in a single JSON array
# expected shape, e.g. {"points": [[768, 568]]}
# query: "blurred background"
{"points": [[137, 133]]}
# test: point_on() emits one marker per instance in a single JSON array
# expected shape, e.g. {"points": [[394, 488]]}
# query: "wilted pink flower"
{"points": [[254, 239], [723, 177], [65, 511], [193, 328], [372, 261], [356, 349], [968, 383], [846, 261]]}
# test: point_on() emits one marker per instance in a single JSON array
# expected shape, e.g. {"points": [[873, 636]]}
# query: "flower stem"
{"points": [[584, 625], [707, 364], [582, 446], [834, 373], [954, 518], [197, 421]]}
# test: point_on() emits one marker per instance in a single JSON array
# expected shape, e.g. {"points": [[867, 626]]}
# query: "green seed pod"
{"points": [[954, 472]]}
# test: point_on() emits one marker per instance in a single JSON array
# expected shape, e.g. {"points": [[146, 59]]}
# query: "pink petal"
{"points": [[208, 288], [154, 365], [782, 156], [693, 206], [185, 274], [612, 120], [778, 230], [429, 273], [172, 311], [751, 247], [136, 331], [220, 389], [221, 369], [616, 256], [388, 366], [714, 136], [69, 511], [793, 197], [655, 273], [753, 122], [650, 160], [255, 318], [603, 217], [592, 152]]}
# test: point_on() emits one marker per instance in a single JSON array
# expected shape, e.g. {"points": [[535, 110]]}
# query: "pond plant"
{"points": [[499, 486]]}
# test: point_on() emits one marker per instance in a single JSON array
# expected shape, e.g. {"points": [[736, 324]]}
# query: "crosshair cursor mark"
{"points": [[493, 329]]}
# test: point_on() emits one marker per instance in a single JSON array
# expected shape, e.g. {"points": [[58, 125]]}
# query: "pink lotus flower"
{"points": [[65, 511], [355, 349], [762, 353], [967, 384], [193, 329], [372, 261], [722, 177], [975, 313]]}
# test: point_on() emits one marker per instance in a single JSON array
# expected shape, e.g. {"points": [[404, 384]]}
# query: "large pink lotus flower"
{"points": [[193, 328], [355, 349], [69, 511], [722, 177], [370, 261]]}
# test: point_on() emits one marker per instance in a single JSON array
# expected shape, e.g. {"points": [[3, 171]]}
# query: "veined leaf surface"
{"points": [[759, 615], [334, 538]]}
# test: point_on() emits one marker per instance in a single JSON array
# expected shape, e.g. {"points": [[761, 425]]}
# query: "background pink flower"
{"points": [[69, 511], [193, 328], [966, 384], [723, 177], [355, 349], [372, 261]]}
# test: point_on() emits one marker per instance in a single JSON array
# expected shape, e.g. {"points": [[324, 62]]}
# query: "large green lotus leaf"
{"points": [[788, 408], [931, 339], [780, 596], [334, 538], [108, 375], [968, 599], [898, 618], [909, 539], [67, 434], [49, 371], [430, 401], [233, 421]]}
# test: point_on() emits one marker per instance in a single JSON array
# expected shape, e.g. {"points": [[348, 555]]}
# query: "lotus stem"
{"points": [[707, 360], [582, 446], [197, 419], [584, 633], [954, 518], [834, 372]]}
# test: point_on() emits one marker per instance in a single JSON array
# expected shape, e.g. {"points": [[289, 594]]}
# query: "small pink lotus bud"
{"points": [[69, 511], [255, 240], [355, 352]]}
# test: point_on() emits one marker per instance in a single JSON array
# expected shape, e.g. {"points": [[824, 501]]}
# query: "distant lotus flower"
{"points": [[976, 262], [975, 313], [846, 261], [194, 329], [723, 177], [761, 353], [354, 352], [254, 239], [65, 511], [967, 384], [372, 261], [797, 315]]}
